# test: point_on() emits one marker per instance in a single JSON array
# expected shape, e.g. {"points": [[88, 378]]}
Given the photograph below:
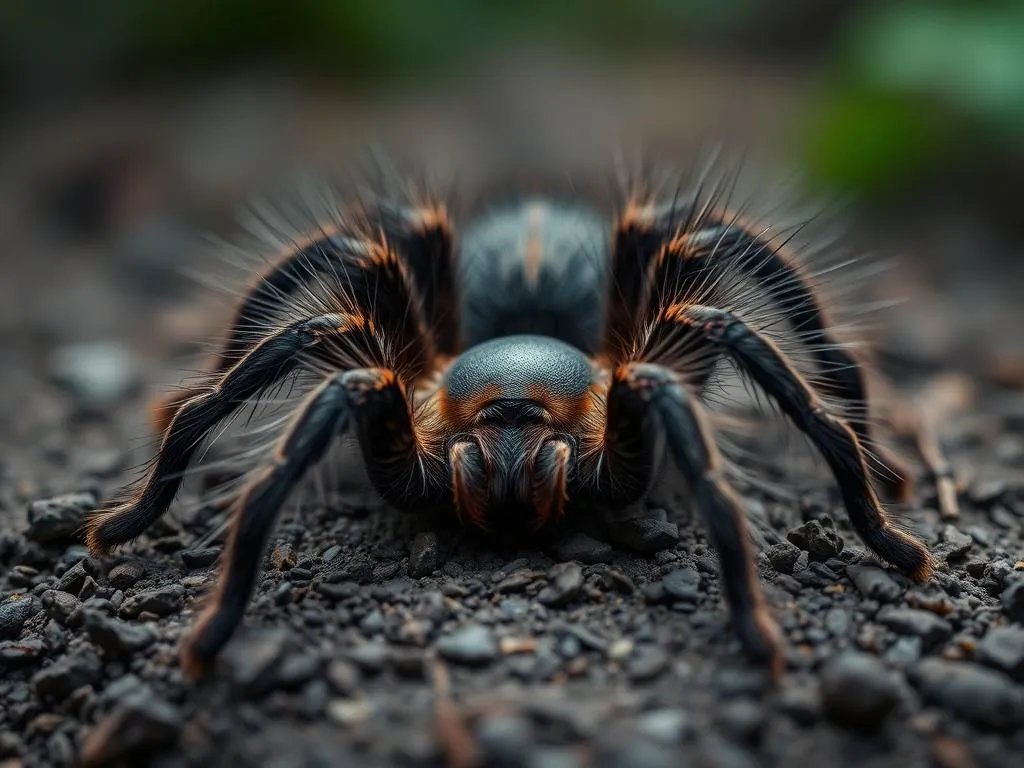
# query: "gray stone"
{"points": [[142, 725], [932, 629], [819, 541], [125, 575], [1003, 649], [503, 739], [955, 544], [682, 584], [858, 692], [56, 520], [20, 653], [646, 663], [14, 612], [783, 556], [665, 726], [74, 577], [200, 558], [162, 601], [874, 583], [565, 580], [60, 679], [96, 374], [1013, 601], [116, 638], [984, 697], [472, 645], [369, 657], [64, 608], [254, 661]]}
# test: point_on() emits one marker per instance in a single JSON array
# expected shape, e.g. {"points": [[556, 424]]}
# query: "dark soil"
{"points": [[375, 640]]}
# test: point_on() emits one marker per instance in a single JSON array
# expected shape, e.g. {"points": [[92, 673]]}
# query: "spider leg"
{"points": [[650, 410], [665, 253], [422, 238], [373, 402], [266, 364], [375, 323], [757, 357], [422, 234], [778, 273], [253, 316]]}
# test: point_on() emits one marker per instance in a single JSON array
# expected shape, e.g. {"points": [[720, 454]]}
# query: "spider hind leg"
{"points": [[650, 409], [373, 403], [687, 250], [418, 232], [757, 357]]}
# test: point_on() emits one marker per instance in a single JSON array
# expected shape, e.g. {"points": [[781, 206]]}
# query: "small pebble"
{"points": [[162, 601], [819, 541], [783, 556], [116, 638], [59, 519], [1003, 649], [141, 726], [984, 697], [200, 558], [257, 655], [911, 621], [646, 663], [682, 584], [125, 575], [14, 612], [1012, 599], [283, 557], [665, 726], [59, 680], [62, 607], [565, 580], [874, 583], [97, 374], [74, 577], [473, 645], [857, 691]]}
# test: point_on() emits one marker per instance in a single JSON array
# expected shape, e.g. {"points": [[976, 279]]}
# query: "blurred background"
{"points": [[129, 127]]}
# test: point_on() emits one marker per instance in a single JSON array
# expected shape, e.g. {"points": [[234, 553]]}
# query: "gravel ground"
{"points": [[379, 640]]}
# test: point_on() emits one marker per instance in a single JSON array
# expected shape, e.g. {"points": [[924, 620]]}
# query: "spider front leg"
{"points": [[269, 362], [370, 401], [651, 412], [420, 235], [686, 250], [379, 326], [757, 357]]}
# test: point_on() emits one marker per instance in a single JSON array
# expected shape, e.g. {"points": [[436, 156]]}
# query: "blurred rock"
{"points": [[97, 375]]}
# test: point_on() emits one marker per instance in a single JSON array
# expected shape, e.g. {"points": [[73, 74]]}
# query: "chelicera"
{"points": [[551, 358]]}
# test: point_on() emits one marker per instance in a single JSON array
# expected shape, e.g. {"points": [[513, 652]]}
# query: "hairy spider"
{"points": [[555, 356]]}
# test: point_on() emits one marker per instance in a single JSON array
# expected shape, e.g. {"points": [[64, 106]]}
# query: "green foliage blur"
{"points": [[905, 87], [351, 38], [915, 86]]}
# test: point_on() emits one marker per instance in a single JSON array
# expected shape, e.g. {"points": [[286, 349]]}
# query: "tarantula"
{"points": [[553, 358]]}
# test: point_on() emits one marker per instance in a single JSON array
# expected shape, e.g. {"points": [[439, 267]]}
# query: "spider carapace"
{"points": [[548, 358]]}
